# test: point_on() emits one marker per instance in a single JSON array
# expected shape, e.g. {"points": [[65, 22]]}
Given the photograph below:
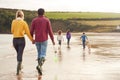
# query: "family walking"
{"points": [[38, 34]]}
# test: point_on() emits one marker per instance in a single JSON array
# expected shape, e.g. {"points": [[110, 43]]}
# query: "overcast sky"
{"points": [[64, 5]]}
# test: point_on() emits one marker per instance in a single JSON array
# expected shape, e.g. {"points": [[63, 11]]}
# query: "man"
{"points": [[41, 26]]}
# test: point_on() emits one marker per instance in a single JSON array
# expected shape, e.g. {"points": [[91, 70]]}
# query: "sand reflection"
{"points": [[59, 55], [84, 55], [19, 77], [39, 77]]}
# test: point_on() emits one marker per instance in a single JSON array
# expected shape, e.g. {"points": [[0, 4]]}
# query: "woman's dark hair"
{"points": [[41, 11]]}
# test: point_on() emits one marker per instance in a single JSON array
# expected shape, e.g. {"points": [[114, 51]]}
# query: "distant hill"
{"points": [[75, 21]]}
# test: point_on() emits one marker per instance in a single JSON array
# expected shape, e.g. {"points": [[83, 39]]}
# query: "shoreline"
{"points": [[76, 33]]}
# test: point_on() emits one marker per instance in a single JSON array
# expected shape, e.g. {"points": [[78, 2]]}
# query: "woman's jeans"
{"points": [[41, 49], [19, 45]]}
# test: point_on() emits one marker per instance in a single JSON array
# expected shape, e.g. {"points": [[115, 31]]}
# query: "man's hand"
{"points": [[33, 42]]}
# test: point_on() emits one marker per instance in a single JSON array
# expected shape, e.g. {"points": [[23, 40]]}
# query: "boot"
{"points": [[39, 70], [40, 63], [18, 68]]}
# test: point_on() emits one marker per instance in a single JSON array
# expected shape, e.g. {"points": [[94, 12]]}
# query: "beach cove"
{"points": [[101, 63]]}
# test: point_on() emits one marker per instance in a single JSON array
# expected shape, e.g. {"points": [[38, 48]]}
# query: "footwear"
{"points": [[18, 68], [39, 70], [68, 46], [41, 61], [21, 67]]}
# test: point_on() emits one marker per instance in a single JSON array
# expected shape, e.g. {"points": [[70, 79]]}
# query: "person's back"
{"points": [[59, 36], [41, 28], [18, 31], [68, 35], [83, 37]]}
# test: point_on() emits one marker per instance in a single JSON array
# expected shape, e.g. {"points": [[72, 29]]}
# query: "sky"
{"points": [[64, 5]]}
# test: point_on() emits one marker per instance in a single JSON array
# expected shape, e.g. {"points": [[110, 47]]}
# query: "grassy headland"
{"points": [[76, 21]]}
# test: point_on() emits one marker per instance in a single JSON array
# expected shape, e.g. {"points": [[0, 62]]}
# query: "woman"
{"points": [[18, 28]]}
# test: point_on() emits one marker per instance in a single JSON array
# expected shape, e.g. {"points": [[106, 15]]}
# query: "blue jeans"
{"points": [[41, 48], [83, 43]]}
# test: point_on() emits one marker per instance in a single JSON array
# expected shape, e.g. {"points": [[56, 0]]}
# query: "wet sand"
{"points": [[74, 63]]}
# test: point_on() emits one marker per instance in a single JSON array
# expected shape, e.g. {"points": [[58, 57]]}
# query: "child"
{"points": [[83, 38], [68, 36], [60, 38]]}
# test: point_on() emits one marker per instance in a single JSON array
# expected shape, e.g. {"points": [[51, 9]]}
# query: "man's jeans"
{"points": [[41, 48]]}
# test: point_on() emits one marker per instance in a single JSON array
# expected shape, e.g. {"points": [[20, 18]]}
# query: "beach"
{"points": [[101, 62]]}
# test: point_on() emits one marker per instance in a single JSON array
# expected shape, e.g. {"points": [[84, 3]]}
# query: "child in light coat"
{"points": [[59, 38]]}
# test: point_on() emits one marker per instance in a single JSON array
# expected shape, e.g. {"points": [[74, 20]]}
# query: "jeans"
{"points": [[83, 43], [19, 45], [41, 48]]}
